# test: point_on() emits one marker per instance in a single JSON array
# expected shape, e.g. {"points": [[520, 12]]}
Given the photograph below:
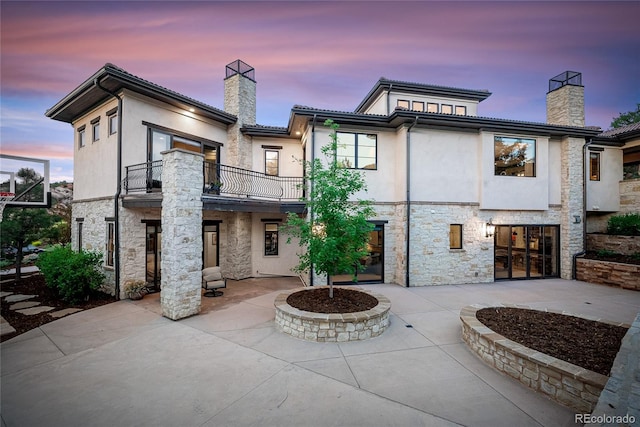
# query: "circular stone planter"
{"points": [[332, 327]]}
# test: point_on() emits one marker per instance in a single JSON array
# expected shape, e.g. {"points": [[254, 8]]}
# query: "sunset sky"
{"points": [[315, 53]]}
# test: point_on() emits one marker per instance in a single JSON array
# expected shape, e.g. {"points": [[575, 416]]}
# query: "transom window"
{"points": [[357, 150], [403, 103], [515, 156], [446, 109], [432, 107], [461, 110], [418, 106]]}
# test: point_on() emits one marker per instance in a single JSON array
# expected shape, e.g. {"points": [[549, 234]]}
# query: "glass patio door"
{"points": [[526, 251], [153, 256]]}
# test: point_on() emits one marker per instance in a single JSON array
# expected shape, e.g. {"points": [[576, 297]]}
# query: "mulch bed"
{"points": [[35, 285], [343, 301], [586, 343]]}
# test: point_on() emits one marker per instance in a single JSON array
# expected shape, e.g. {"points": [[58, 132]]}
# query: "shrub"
{"points": [[605, 253], [624, 225], [74, 275]]}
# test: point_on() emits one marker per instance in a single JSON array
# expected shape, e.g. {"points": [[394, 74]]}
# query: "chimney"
{"points": [[240, 100], [565, 100]]}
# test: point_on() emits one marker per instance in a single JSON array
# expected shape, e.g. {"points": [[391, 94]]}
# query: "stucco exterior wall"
{"points": [[604, 195], [290, 155], [94, 165], [272, 265]]}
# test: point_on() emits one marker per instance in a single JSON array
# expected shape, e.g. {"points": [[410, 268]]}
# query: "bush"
{"points": [[624, 225], [74, 275]]}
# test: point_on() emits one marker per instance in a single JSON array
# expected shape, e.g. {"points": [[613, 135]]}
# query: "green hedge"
{"points": [[624, 225], [75, 275]]}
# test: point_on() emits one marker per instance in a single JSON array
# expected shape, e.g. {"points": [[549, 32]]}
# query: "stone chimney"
{"points": [[239, 100], [565, 100]]}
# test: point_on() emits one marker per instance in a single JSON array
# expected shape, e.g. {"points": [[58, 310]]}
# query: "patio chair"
{"points": [[212, 280]]}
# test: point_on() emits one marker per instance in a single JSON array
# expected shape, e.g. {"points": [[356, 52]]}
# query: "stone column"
{"points": [[181, 233], [239, 100], [571, 233], [239, 246]]}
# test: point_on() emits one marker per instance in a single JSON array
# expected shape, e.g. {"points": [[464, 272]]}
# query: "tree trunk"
{"points": [[330, 286]]}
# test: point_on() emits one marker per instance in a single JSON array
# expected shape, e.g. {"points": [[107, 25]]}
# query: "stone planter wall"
{"points": [[626, 245], [626, 276], [332, 327], [568, 384]]}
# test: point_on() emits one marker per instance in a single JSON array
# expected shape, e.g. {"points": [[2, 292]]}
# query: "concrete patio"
{"points": [[123, 364]]}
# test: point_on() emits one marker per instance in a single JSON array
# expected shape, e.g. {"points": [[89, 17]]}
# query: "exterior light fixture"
{"points": [[192, 110], [490, 229]]}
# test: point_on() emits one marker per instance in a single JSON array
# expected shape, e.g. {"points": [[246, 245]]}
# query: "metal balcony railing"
{"points": [[219, 179]]}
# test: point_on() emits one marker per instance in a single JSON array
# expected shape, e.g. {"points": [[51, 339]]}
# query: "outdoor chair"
{"points": [[212, 280]]}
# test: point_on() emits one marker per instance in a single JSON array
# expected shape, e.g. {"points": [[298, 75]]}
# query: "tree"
{"points": [[336, 231], [22, 225], [627, 118]]}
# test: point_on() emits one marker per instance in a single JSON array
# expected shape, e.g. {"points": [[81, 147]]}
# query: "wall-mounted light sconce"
{"points": [[576, 219], [490, 229]]}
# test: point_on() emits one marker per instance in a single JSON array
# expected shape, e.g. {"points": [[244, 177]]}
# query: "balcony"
{"points": [[222, 185]]}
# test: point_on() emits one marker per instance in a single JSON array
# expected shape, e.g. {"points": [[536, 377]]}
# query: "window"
{"points": [[271, 162], [110, 244], [95, 129], [432, 107], [113, 124], [80, 224], [515, 156], [594, 166], [403, 103], [270, 239], [357, 150], [82, 137], [162, 139], [461, 110], [455, 236], [447, 109], [418, 106]]}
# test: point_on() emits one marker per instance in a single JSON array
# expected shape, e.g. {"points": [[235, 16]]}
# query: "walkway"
{"points": [[122, 364]]}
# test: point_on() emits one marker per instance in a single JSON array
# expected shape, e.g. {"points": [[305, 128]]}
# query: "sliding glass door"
{"points": [[526, 251]]}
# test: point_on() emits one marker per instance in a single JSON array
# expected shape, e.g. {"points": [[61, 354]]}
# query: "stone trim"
{"points": [[332, 327], [566, 383]]}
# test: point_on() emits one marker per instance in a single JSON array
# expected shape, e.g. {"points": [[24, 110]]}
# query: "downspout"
{"points": [[313, 155], [116, 197], [584, 209], [408, 184]]}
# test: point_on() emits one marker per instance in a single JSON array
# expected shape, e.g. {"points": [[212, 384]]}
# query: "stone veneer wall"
{"points": [[621, 395], [626, 276], [238, 249], [239, 100], [181, 233], [565, 106], [626, 245], [571, 234], [94, 231], [568, 384]]}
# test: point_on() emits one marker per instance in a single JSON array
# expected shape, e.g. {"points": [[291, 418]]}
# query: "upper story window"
{"points": [[113, 121], [357, 150], [594, 166], [271, 162], [95, 129], [417, 106], [446, 109], [461, 110], [163, 139], [403, 103], [515, 156], [82, 136], [432, 107]]}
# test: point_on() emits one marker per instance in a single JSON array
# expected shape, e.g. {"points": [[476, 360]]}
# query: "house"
{"points": [[165, 185]]}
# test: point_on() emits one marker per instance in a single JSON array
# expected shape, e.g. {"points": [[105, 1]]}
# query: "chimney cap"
{"points": [[242, 68], [568, 78]]}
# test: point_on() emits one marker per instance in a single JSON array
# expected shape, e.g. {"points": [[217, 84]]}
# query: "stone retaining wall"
{"points": [[568, 384], [332, 327], [626, 276], [626, 245], [621, 395]]}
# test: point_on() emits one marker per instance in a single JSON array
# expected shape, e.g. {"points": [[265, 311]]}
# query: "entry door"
{"points": [[526, 251], [154, 255], [210, 243]]}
